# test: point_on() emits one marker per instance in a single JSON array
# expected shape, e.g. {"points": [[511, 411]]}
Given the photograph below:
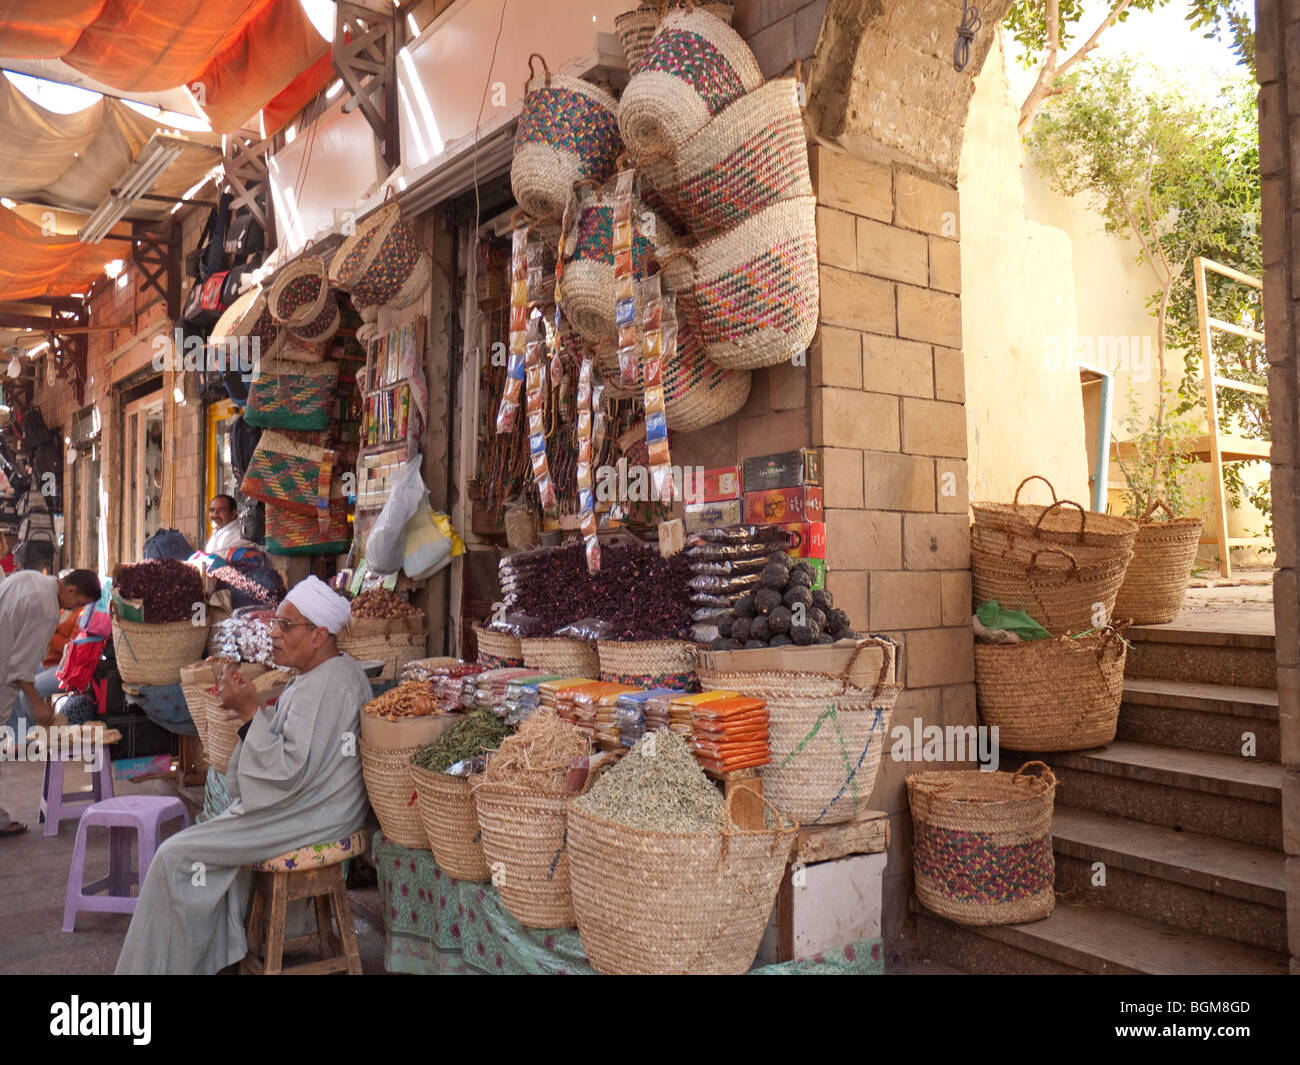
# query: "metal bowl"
{"points": [[372, 667]]}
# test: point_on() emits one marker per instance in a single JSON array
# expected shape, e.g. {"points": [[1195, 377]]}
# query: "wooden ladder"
{"points": [[1216, 448]]}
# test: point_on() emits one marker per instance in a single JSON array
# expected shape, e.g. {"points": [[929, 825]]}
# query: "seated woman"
{"points": [[296, 780]]}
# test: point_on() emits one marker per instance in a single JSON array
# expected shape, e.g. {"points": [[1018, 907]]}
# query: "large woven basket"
{"points": [[223, 730], [1051, 587], [567, 132], [1052, 695], [290, 474], [694, 67], [299, 291], [393, 649], [1028, 526], [752, 155], [249, 320], [387, 774], [751, 294], [378, 260], [323, 326], [292, 348], [497, 650], [292, 395], [649, 664], [196, 679], [288, 533], [527, 835], [1157, 577], [637, 28], [982, 844], [451, 824], [697, 391], [660, 902], [153, 655], [560, 655]]}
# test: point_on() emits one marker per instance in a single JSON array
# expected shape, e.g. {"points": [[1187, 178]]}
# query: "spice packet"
{"points": [[508, 410], [536, 378], [586, 497]]}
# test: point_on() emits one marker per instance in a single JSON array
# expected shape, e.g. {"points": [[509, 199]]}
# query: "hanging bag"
{"points": [[292, 395], [290, 474]]}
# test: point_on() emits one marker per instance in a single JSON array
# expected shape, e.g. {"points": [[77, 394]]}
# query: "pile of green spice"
{"points": [[657, 785], [478, 732]]}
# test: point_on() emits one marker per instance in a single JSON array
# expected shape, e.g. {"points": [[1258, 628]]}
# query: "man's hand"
{"points": [[41, 707], [238, 695]]}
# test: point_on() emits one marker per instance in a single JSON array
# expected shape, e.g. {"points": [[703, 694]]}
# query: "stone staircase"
{"points": [[1169, 841]]}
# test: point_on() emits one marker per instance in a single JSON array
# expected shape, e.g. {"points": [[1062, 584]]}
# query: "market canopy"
{"points": [[72, 161], [236, 56], [34, 265]]}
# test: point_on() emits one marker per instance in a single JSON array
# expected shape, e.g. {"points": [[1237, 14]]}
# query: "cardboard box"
{"points": [[787, 469], [777, 506], [380, 733], [807, 539], [722, 483], [837, 659], [672, 537], [700, 516]]}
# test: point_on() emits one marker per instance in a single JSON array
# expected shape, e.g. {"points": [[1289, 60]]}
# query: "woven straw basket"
{"points": [[392, 793], [451, 824], [526, 833], [248, 317], [982, 844], [196, 679], [497, 650], [1028, 526], [637, 28], [1051, 586], [154, 654], [393, 649], [751, 295], [567, 132], [560, 655], [659, 902], [1155, 583], [694, 67], [222, 730], [649, 664], [752, 155], [292, 395], [1052, 695], [299, 291], [289, 473], [291, 348], [381, 263], [323, 326], [826, 735], [288, 533]]}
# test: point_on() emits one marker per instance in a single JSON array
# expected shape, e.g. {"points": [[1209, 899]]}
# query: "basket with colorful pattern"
{"points": [[497, 650], [382, 264], [247, 324], [695, 66], [326, 533], [567, 133], [751, 295], [292, 348], [292, 395], [289, 473], [299, 291], [982, 844], [637, 28], [323, 326], [587, 293], [649, 663], [754, 154]]}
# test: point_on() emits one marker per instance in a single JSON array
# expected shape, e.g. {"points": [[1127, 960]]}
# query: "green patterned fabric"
{"points": [[435, 924]]}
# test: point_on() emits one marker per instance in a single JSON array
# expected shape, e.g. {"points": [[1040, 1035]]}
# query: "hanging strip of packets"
{"points": [[508, 411], [535, 377], [658, 330]]}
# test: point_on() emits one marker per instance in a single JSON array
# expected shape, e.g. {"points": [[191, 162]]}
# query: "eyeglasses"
{"points": [[285, 623]]}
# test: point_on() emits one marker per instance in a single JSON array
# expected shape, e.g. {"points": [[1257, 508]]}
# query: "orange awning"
{"points": [[33, 265], [235, 55]]}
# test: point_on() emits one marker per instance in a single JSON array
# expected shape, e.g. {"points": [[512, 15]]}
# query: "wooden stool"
{"points": [[311, 873]]}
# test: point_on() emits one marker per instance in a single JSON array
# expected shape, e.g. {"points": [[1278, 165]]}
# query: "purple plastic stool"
{"points": [[58, 805], [145, 814]]}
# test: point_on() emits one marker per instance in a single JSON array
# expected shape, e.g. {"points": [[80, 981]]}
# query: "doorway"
{"points": [[142, 475]]}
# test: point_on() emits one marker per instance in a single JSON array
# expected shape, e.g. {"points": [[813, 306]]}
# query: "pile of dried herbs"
{"points": [[479, 732], [659, 786]]}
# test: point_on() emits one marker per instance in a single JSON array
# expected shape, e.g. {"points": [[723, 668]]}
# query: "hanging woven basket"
{"points": [[246, 330], [289, 473], [382, 264], [694, 67], [751, 295], [299, 291], [1155, 583], [288, 533], [292, 395], [982, 844], [637, 28], [323, 326], [1052, 695]]}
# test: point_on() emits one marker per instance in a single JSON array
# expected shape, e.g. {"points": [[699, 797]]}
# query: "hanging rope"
{"points": [[970, 25]]}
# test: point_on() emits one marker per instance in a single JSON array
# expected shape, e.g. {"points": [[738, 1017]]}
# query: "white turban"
{"points": [[319, 604]]}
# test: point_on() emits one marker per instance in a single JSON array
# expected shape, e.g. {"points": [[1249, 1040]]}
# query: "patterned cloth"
{"points": [[435, 924], [316, 856], [165, 706]]}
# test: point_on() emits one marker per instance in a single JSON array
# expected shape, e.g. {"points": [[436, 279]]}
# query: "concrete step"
{"points": [[1079, 938], [1195, 882], [1214, 794], [1204, 650], [1218, 718]]}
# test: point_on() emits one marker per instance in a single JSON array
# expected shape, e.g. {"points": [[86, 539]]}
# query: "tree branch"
{"points": [[1091, 42]]}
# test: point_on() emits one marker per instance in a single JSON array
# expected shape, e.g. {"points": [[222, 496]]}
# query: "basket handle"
{"points": [[1083, 517], [685, 252], [870, 641], [1162, 505], [1015, 501], [1047, 776], [729, 826], [1033, 559], [532, 74]]}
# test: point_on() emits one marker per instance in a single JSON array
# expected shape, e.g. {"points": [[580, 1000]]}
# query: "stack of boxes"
{"points": [[782, 489]]}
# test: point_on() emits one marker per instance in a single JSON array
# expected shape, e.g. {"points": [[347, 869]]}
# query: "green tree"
{"points": [[1167, 170], [1045, 30]]}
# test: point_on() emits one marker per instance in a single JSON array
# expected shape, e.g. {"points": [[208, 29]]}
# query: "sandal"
{"points": [[13, 829]]}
